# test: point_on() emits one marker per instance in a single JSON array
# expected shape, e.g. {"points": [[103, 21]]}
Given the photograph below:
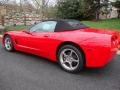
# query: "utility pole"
{"points": [[22, 11], [2, 14], [20, 5], [43, 9], [39, 5], [2, 20], [25, 20]]}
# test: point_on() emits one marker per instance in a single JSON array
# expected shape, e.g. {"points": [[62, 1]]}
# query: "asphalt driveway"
{"points": [[20, 71]]}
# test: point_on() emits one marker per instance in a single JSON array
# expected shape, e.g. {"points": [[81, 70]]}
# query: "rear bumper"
{"points": [[99, 57], [119, 46]]}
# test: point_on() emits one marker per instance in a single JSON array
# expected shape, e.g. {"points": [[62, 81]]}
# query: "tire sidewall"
{"points": [[79, 53], [12, 47]]}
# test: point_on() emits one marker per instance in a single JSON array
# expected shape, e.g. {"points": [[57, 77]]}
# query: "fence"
{"points": [[23, 20]]}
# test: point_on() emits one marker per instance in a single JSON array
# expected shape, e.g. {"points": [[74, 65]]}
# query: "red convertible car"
{"points": [[68, 42]]}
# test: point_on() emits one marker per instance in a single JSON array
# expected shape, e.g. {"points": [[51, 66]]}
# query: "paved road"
{"points": [[20, 71]]}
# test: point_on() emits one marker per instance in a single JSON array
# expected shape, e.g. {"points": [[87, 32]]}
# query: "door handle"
{"points": [[46, 35]]}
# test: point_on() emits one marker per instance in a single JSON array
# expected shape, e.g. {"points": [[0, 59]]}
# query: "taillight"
{"points": [[114, 40]]}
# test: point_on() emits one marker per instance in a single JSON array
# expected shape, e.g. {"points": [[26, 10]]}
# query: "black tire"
{"points": [[11, 45], [78, 52]]}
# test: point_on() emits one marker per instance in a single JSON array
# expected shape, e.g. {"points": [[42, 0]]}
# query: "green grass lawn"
{"points": [[113, 24], [17, 27], [107, 24]]}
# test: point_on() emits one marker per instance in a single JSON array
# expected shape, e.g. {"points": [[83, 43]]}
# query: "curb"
{"points": [[0, 36], [118, 53]]}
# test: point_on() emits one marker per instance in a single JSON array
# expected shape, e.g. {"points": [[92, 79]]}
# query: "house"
{"points": [[111, 11]]}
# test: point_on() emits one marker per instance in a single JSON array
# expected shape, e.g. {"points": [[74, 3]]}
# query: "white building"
{"points": [[112, 14]]}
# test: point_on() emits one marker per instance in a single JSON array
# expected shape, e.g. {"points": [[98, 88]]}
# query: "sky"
{"points": [[51, 2]]}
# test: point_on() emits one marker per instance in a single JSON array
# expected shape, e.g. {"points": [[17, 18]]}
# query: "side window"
{"points": [[47, 26]]}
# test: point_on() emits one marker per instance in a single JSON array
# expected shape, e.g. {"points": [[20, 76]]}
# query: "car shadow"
{"points": [[85, 72], [107, 70]]}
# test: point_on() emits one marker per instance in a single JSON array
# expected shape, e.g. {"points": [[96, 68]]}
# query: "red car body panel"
{"points": [[96, 44]]}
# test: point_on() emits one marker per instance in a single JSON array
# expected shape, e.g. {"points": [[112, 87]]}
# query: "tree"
{"points": [[82, 9], [71, 9], [92, 9], [95, 8], [42, 6], [117, 5]]}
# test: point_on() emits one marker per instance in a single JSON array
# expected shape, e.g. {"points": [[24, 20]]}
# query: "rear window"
{"points": [[76, 24]]}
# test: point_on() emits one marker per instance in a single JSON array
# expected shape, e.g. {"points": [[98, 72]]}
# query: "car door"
{"points": [[40, 37]]}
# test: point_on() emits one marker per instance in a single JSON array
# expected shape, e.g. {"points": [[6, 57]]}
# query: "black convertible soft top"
{"points": [[67, 24]]}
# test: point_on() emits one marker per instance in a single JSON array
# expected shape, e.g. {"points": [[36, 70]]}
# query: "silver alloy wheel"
{"points": [[8, 44], [69, 59]]}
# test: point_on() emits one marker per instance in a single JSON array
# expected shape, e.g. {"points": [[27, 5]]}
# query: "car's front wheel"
{"points": [[70, 58], [8, 43]]}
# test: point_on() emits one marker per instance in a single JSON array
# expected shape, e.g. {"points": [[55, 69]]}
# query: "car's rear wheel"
{"points": [[8, 43], [70, 58]]}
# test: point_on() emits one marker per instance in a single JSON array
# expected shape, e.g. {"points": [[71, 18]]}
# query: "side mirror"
{"points": [[27, 32]]}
